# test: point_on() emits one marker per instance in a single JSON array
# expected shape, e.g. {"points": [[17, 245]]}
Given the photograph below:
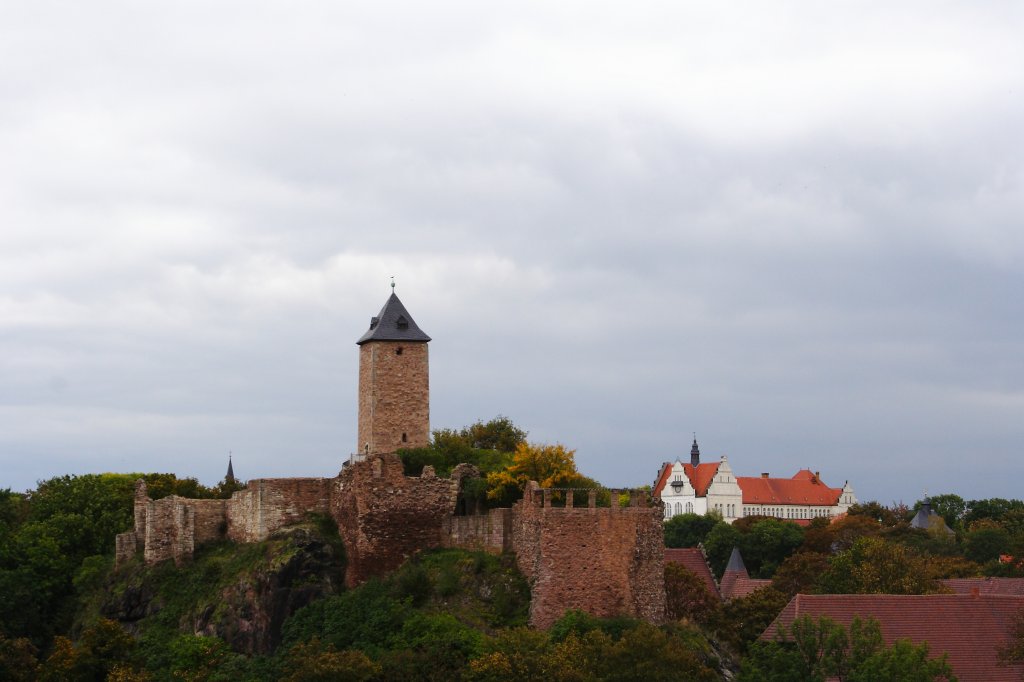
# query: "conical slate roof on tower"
{"points": [[393, 323]]}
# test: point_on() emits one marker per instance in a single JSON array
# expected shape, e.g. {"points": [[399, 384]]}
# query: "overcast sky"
{"points": [[796, 229]]}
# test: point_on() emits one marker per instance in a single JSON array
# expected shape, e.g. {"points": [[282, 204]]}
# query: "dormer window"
{"points": [[402, 322], [373, 322]]}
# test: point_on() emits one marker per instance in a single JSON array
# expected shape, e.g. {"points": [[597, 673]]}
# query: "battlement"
{"points": [[596, 498]]}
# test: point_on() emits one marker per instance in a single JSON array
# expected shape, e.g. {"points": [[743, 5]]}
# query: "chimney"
{"points": [[817, 477], [764, 474]]}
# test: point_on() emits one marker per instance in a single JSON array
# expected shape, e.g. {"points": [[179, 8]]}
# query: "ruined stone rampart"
{"points": [[385, 517], [269, 504], [175, 525], [488, 532], [606, 561]]}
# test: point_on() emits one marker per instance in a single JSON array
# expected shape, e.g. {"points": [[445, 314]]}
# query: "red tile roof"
{"points": [[700, 478], [666, 470], [693, 559], [967, 628], [736, 584], [804, 489], [1011, 586]]}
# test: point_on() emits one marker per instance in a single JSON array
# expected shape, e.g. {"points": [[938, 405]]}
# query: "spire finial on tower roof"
{"points": [[392, 284]]}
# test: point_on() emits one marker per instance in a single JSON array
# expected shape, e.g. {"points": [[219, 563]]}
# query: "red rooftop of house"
{"points": [[969, 628]]}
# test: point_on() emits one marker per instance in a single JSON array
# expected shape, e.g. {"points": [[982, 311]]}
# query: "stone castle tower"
{"points": [[394, 383]]}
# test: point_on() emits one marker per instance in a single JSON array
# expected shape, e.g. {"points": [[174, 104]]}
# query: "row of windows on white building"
{"points": [[729, 511]]}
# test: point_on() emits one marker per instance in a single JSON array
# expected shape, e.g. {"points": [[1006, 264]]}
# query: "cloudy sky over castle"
{"points": [[796, 228]]}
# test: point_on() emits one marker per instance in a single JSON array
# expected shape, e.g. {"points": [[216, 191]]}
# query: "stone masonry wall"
{"points": [[394, 396], [490, 532], [605, 561], [268, 504], [385, 517]]}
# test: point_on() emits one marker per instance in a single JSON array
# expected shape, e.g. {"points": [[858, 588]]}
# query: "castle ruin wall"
{"points": [[385, 517], [607, 561], [269, 504]]}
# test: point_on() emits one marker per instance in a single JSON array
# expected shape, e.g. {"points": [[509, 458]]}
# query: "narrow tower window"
{"points": [[398, 351], [405, 438]]}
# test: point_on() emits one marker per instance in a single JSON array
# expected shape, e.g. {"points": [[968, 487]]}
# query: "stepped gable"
{"points": [[393, 323], [736, 581], [969, 628], [805, 488], [700, 476], [693, 559]]}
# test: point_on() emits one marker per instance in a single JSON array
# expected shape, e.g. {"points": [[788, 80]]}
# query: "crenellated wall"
{"points": [[603, 560], [606, 561]]}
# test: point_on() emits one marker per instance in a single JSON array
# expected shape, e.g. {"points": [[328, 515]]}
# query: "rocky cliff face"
{"points": [[241, 594]]}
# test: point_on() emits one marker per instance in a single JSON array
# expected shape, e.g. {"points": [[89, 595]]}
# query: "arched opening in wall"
{"points": [[405, 438]]}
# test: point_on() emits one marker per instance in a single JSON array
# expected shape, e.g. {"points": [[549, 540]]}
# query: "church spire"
{"points": [[230, 478], [694, 453]]}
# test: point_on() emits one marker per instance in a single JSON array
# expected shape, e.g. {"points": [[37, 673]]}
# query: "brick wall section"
{"points": [[394, 396], [209, 520], [605, 561], [268, 504], [490, 532], [385, 517], [170, 530]]}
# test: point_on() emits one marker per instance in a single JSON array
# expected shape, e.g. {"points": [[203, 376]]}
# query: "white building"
{"points": [[699, 488]]}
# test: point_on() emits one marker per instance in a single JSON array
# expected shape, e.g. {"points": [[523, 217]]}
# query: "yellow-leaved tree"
{"points": [[552, 466]]}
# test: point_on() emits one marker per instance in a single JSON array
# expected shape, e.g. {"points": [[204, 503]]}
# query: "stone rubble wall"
{"points": [[490, 532], [269, 504], [385, 517], [606, 561]]}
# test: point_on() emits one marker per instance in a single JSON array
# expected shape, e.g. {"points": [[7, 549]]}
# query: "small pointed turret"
{"points": [[694, 453], [230, 478], [736, 562]]}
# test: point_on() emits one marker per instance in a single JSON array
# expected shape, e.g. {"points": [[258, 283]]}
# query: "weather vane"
{"points": [[392, 283]]}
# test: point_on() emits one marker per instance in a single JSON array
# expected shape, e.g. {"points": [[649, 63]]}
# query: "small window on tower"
{"points": [[405, 438], [398, 351], [402, 322]]}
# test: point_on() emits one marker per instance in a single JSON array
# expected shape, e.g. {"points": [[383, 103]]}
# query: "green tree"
{"points": [[313, 662], [689, 530], [17, 660], [800, 573], [874, 566], [1012, 650], [687, 596], [819, 649], [719, 544], [994, 508], [767, 544], [102, 647], [986, 541], [886, 516], [741, 621], [497, 434]]}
